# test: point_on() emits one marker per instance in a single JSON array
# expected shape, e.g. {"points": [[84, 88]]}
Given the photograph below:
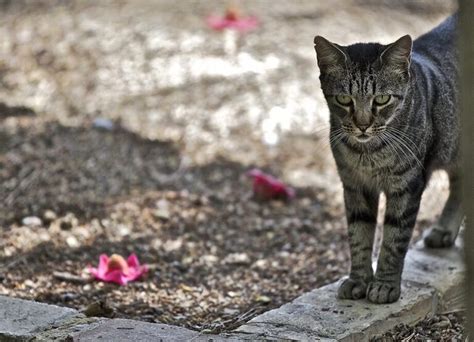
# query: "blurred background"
{"points": [[128, 126]]}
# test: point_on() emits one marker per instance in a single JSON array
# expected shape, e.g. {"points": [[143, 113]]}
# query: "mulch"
{"points": [[443, 327], [217, 256]]}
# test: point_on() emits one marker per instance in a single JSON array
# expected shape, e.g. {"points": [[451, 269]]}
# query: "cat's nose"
{"points": [[363, 127]]}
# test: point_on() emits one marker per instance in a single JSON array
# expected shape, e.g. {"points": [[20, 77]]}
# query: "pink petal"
{"points": [[103, 261], [217, 23], [268, 187], [136, 270], [115, 276], [244, 24], [93, 271], [241, 24], [132, 260], [136, 273]]}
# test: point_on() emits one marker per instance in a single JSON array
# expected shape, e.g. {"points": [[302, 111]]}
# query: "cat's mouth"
{"points": [[363, 138]]}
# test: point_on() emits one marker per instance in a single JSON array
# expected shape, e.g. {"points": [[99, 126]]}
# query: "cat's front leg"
{"points": [[403, 204], [361, 211]]}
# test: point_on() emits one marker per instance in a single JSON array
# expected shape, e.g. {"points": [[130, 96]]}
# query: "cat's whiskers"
{"points": [[402, 138], [324, 143], [320, 130], [393, 147], [396, 145], [410, 134], [321, 136], [404, 145], [403, 125], [336, 137], [406, 138]]}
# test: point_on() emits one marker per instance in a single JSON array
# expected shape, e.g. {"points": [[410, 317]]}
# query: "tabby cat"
{"points": [[394, 120]]}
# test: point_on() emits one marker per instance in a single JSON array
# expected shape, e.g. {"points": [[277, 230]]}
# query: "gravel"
{"points": [[443, 327]]}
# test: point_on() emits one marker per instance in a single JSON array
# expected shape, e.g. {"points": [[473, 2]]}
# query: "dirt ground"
{"points": [[215, 253], [444, 327], [193, 110]]}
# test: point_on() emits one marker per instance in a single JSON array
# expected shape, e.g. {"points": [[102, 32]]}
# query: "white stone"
{"points": [[32, 221]]}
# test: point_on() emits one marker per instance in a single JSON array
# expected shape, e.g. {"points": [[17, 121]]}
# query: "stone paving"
{"points": [[433, 282]]}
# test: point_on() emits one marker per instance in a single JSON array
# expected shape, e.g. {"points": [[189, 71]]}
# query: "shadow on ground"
{"points": [[217, 256], [77, 169]]}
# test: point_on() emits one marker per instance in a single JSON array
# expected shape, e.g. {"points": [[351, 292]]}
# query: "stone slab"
{"points": [[20, 319], [442, 269], [433, 281], [126, 330], [320, 316], [69, 328]]}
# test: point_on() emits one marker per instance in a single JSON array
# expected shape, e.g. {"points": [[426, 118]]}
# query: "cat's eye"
{"points": [[344, 100], [380, 100]]}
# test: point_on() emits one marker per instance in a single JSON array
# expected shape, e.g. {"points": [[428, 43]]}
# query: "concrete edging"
{"points": [[433, 282]]}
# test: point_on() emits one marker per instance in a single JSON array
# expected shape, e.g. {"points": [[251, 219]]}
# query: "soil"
{"points": [[217, 256], [191, 111], [444, 327]]}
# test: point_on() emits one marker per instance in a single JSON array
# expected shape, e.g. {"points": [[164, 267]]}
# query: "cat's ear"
{"points": [[398, 55], [330, 56]]}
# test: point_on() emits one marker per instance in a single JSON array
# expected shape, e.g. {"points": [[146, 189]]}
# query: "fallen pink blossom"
{"points": [[267, 187], [232, 20], [116, 270]]}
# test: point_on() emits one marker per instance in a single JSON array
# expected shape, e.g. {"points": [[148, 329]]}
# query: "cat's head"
{"points": [[364, 84]]}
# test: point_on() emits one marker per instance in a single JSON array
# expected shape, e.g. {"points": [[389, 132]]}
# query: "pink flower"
{"points": [[116, 270], [267, 187], [232, 20]]}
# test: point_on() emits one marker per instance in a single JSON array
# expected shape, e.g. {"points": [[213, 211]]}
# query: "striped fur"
{"points": [[392, 147]]}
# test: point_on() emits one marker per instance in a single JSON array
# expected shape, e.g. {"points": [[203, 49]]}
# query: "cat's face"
{"points": [[364, 85]]}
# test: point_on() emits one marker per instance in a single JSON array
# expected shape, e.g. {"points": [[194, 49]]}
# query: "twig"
{"points": [[25, 182], [65, 276], [13, 263], [406, 339], [453, 311]]}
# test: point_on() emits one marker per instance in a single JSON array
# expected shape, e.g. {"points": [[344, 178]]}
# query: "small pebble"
{"points": [[263, 299], [104, 124], [32, 221], [49, 216], [29, 283], [230, 312], [69, 296], [69, 221], [72, 242], [237, 259]]}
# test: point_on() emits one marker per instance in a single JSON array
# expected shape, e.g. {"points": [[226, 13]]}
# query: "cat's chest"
{"points": [[372, 171]]}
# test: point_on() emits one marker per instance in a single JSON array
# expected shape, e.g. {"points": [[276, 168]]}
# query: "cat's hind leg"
{"points": [[444, 232]]}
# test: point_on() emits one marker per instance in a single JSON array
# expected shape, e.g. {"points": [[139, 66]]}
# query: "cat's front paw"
{"points": [[438, 237], [352, 289], [383, 292]]}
